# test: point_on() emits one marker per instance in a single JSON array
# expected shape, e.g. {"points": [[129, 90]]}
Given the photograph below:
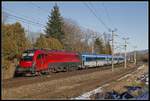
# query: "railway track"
{"points": [[19, 81]]}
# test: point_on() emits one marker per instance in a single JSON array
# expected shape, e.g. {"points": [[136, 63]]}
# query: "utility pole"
{"points": [[93, 47], [94, 37], [113, 47], [134, 54], [125, 63]]}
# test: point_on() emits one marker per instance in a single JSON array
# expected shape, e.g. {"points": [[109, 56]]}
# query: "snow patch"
{"points": [[105, 85], [86, 96], [123, 77], [141, 67]]}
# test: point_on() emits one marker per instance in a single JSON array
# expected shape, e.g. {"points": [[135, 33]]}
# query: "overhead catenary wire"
{"points": [[24, 19], [26, 22], [107, 13], [108, 16], [38, 7], [21, 20], [8, 10], [99, 19]]}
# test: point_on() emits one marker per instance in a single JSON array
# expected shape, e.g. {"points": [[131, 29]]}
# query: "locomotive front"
{"points": [[26, 63]]}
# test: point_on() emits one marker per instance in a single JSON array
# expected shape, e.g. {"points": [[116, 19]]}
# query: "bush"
{"points": [[48, 42], [13, 40]]}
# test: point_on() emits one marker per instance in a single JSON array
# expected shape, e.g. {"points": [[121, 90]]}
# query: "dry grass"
{"points": [[8, 72]]}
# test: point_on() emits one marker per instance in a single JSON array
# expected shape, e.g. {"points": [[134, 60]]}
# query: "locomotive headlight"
{"points": [[24, 54]]}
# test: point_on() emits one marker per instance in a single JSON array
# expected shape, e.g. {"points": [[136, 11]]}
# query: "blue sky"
{"points": [[130, 18]]}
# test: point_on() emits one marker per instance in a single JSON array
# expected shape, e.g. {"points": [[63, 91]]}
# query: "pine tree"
{"points": [[99, 46], [54, 24], [109, 48]]}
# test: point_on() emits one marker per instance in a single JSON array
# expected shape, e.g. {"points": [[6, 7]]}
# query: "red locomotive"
{"points": [[37, 61]]}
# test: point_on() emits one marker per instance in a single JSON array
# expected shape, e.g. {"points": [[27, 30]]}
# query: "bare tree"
{"points": [[72, 34], [78, 38]]}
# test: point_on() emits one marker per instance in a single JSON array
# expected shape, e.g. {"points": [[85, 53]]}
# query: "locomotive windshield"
{"points": [[27, 56]]}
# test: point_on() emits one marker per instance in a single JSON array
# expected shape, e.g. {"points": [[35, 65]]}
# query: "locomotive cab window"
{"points": [[40, 56], [27, 56]]}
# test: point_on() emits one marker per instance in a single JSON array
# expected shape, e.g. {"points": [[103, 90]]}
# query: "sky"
{"points": [[129, 18]]}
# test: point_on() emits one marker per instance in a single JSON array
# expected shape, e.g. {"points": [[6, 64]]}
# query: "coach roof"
{"points": [[96, 55]]}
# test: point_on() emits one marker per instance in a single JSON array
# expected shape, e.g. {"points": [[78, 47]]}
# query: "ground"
{"points": [[61, 85]]}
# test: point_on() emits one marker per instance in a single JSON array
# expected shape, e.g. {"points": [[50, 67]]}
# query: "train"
{"points": [[43, 61]]}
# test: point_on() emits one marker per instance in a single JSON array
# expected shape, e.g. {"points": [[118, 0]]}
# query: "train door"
{"points": [[83, 60], [96, 59], [40, 61]]}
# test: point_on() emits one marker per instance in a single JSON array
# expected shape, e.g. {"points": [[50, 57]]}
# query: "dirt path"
{"points": [[64, 87]]}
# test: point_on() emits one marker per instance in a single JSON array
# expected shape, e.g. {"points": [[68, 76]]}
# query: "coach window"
{"points": [[88, 59], [103, 58], [110, 59]]}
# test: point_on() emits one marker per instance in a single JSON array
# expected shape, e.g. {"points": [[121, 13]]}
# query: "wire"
{"points": [[38, 7], [99, 19], [19, 14], [108, 16], [24, 19], [96, 12]]}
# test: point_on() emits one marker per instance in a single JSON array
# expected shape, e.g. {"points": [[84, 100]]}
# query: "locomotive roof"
{"points": [[48, 50], [30, 50]]}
